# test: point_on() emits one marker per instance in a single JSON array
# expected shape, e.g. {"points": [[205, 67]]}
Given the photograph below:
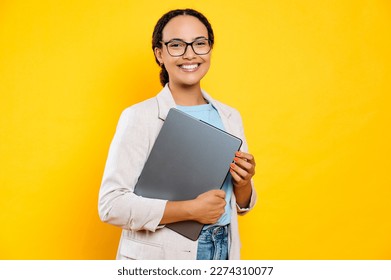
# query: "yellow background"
{"points": [[311, 79]]}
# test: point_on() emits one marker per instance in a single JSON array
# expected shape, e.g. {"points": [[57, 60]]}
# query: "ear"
{"points": [[158, 54]]}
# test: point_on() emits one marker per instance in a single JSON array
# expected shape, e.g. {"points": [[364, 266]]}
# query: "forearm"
{"points": [[176, 211]]}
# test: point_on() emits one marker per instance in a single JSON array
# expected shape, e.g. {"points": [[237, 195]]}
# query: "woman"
{"points": [[182, 43]]}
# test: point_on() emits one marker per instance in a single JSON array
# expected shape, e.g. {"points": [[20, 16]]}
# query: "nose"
{"points": [[189, 53]]}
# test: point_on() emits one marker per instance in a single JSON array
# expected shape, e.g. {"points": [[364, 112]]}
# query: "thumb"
{"points": [[220, 193]]}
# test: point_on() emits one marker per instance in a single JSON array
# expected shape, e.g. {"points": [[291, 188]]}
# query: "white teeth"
{"points": [[189, 67]]}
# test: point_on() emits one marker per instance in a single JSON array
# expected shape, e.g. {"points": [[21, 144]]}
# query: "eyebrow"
{"points": [[179, 39]]}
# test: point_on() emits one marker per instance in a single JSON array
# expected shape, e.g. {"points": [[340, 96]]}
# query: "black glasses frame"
{"points": [[187, 44]]}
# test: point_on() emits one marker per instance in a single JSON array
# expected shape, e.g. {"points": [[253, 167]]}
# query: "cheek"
{"points": [[207, 64], [207, 59], [170, 66], [164, 57], [168, 60]]}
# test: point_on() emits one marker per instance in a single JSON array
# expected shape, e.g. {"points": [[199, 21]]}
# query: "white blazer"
{"points": [[139, 217]]}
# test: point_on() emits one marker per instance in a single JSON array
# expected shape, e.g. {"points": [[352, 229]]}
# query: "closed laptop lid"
{"points": [[189, 157]]}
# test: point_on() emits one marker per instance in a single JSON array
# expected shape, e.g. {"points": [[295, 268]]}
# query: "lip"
{"points": [[189, 67]]}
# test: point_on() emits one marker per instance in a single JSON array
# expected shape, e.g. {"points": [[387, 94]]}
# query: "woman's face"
{"points": [[190, 68]]}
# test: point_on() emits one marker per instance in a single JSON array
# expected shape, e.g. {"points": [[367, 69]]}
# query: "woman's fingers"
{"points": [[243, 168], [245, 156]]}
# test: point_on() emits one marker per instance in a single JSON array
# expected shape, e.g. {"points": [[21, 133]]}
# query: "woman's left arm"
{"points": [[242, 170]]}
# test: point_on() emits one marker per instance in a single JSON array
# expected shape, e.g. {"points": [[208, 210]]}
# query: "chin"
{"points": [[194, 80], [188, 81]]}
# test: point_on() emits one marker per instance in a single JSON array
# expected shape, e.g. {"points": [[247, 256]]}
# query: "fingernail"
{"points": [[236, 159], [237, 153], [232, 165]]}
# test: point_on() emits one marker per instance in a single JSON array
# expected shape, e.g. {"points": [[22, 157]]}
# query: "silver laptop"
{"points": [[188, 158]]}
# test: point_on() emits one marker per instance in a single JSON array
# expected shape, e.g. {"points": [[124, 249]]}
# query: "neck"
{"points": [[187, 95]]}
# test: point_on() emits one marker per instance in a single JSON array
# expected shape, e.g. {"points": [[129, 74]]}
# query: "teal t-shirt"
{"points": [[209, 114]]}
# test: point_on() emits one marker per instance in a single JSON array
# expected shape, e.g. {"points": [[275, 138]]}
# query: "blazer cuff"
{"points": [[241, 210]]}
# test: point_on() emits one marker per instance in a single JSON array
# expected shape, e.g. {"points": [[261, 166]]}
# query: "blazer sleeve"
{"points": [[118, 205]]}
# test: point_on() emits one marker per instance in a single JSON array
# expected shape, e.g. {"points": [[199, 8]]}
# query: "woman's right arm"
{"points": [[120, 206], [129, 149]]}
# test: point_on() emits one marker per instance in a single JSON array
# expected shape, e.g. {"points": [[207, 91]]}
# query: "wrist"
{"points": [[243, 194], [189, 209]]}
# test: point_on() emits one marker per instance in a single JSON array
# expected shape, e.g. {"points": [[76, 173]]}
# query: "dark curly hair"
{"points": [[157, 34]]}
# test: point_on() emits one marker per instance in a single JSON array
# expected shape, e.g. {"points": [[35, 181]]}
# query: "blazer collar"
{"points": [[166, 102]]}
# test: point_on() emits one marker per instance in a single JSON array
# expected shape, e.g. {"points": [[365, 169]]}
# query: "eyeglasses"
{"points": [[177, 47]]}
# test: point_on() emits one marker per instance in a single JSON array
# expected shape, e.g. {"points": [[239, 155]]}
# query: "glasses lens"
{"points": [[176, 48], [201, 46]]}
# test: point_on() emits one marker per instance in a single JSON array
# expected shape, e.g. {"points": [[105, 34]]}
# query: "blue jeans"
{"points": [[213, 243]]}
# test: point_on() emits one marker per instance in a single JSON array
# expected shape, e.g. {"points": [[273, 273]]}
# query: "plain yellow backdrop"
{"points": [[311, 79]]}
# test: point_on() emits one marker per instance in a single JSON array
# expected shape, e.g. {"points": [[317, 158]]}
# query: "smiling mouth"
{"points": [[189, 67]]}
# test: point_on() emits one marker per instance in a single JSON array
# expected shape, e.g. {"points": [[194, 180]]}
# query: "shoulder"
{"points": [[146, 106], [140, 117], [142, 111]]}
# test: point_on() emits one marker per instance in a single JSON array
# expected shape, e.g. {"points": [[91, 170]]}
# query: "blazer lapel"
{"points": [[165, 102]]}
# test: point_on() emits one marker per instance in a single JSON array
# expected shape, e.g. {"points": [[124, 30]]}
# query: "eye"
{"points": [[176, 44], [201, 43]]}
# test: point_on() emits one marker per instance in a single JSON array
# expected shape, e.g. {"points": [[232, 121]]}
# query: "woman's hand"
{"points": [[242, 170], [208, 207]]}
